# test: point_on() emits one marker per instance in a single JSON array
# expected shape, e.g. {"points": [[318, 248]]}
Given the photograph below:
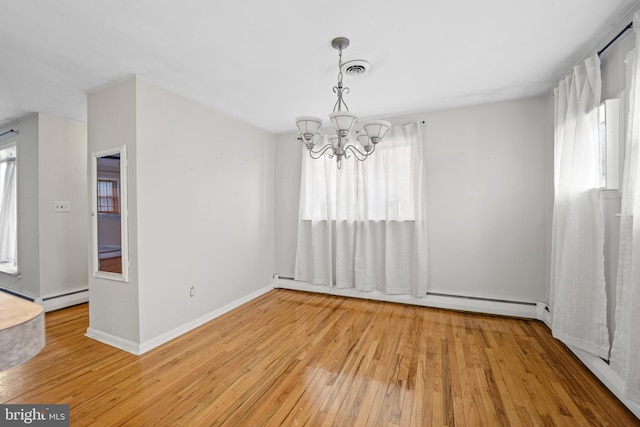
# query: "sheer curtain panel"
{"points": [[578, 296], [370, 215], [625, 351], [8, 210], [317, 200]]}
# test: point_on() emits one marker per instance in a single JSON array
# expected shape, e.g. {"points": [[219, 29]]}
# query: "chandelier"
{"points": [[343, 143]]}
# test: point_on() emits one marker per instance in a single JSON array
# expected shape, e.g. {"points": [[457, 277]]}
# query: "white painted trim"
{"points": [[136, 349], [56, 303], [608, 377], [503, 308], [295, 285], [543, 314], [176, 332], [597, 366], [114, 341], [124, 214]]}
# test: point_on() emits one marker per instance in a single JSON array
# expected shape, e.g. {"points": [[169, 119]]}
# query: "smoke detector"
{"points": [[356, 67]]}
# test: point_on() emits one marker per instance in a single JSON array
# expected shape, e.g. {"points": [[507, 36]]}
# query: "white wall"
{"points": [[113, 305], [288, 166], [205, 209], [489, 170], [201, 210], [488, 186], [28, 283], [62, 171], [51, 246]]}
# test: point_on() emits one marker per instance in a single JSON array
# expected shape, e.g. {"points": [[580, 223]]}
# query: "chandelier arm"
{"points": [[339, 91], [357, 153], [337, 104], [315, 155], [343, 122]]}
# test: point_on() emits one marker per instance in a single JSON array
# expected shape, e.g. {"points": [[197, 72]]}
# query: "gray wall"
{"points": [[52, 255], [114, 306], [200, 211], [28, 283], [62, 166], [490, 186], [205, 209]]}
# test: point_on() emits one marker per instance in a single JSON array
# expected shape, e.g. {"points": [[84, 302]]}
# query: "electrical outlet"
{"points": [[192, 291], [62, 206]]}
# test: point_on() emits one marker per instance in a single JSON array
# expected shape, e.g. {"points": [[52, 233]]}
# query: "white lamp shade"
{"points": [[308, 125], [343, 121], [364, 140], [377, 129]]}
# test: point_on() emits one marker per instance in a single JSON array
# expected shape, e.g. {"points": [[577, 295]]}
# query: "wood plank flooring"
{"points": [[291, 358]]}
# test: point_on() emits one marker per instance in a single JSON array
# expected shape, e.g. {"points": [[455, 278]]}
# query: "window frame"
{"points": [[112, 200], [610, 133]]}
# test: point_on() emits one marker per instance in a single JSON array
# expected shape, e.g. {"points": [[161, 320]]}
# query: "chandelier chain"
{"points": [[340, 68]]}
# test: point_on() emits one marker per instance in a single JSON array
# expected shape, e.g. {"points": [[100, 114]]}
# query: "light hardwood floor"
{"points": [[292, 358]]}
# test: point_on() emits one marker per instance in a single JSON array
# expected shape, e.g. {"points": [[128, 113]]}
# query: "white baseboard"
{"points": [[451, 302], [543, 314], [597, 366], [296, 285], [56, 302], [608, 377], [114, 341], [138, 349], [63, 301], [176, 332]]}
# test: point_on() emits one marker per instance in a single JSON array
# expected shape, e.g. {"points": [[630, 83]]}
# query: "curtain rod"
{"points": [[629, 26], [8, 132]]}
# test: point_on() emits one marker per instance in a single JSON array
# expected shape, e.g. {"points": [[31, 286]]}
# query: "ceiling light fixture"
{"points": [[343, 142]]}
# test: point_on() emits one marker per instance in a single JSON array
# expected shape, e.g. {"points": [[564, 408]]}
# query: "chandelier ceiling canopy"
{"points": [[347, 141]]}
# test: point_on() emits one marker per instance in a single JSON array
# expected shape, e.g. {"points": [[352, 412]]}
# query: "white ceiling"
{"points": [[267, 62]]}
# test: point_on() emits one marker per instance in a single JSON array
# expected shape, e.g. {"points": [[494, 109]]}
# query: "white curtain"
{"points": [[8, 210], [625, 351], [364, 226], [317, 200], [578, 295]]}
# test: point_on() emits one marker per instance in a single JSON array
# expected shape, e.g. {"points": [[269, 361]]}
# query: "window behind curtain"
{"points": [[8, 210], [382, 184], [364, 226]]}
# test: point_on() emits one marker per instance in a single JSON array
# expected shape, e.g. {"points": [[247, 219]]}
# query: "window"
{"points": [[108, 196], [382, 186], [609, 123], [8, 210], [365, 225]]}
